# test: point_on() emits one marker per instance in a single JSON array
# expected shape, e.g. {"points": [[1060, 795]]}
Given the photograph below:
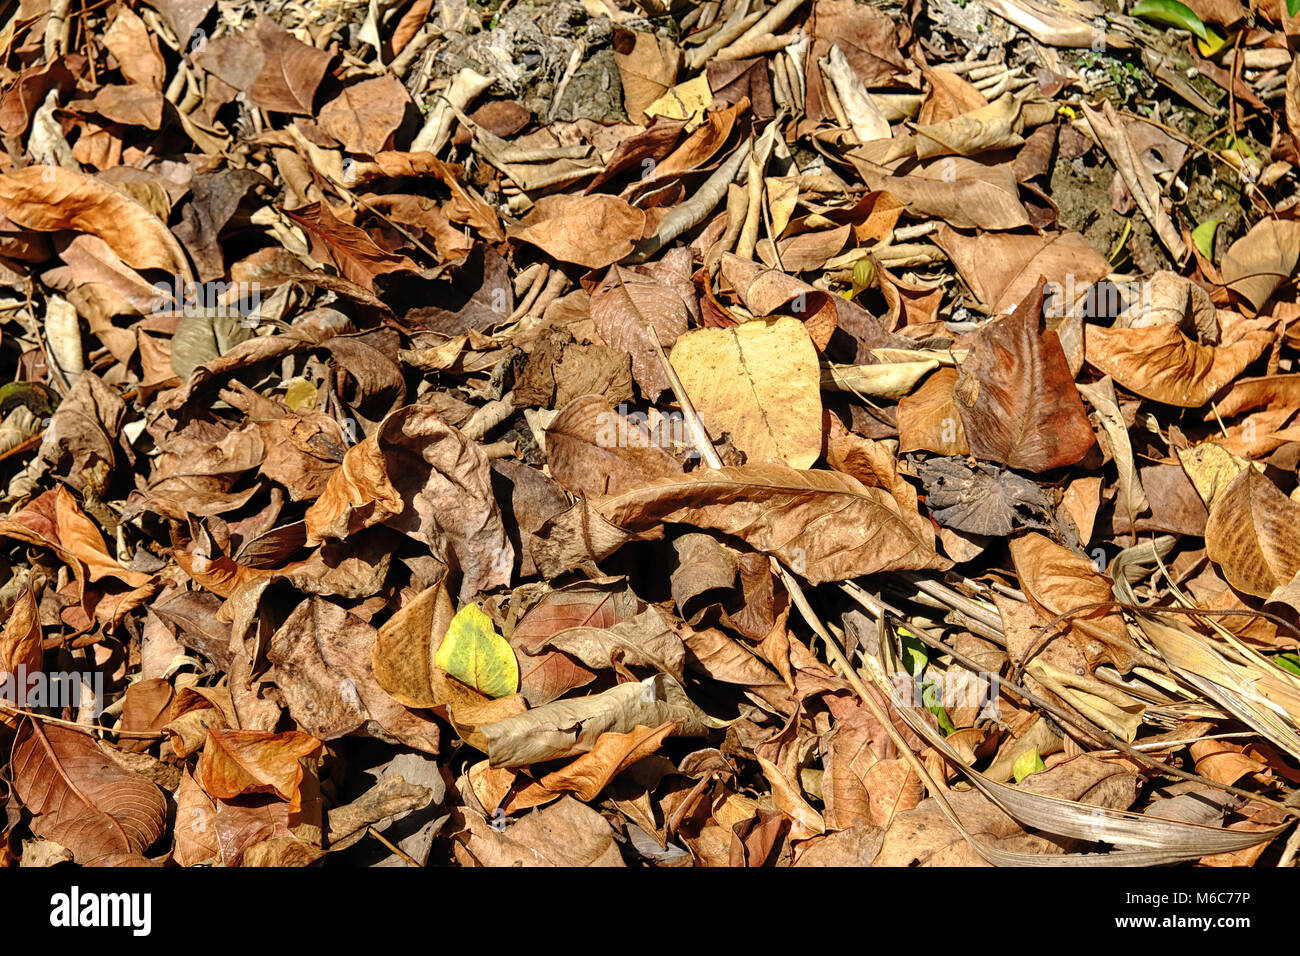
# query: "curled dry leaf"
{"points": [[421, 476], [1119, 142], [1160, 363], [49, 198], [566, 728], [1262, 259], [1057, 580], [949, 95], [984, 128], [704, 568], [1169, 299], [647, 640], [1101, 395], [236, 762], [392, 798], [402, 657], [766, 292], [962, 192], [592, 772], [21, 652], [54, 520], [352, 250]]}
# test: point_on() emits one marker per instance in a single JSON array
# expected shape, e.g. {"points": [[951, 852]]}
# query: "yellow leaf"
{"points": [[475, 654], [300, 394], [686, 101], [1027, 763], [1211, 467]]}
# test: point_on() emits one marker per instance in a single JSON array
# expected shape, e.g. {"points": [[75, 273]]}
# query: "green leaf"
{"points": [[1242, 146], [914, 655], [1292, 7], [1027, 763], [945, 722], [1289, 662], [1203, 235], [38, 399], [475, 654], [1171, 13]]}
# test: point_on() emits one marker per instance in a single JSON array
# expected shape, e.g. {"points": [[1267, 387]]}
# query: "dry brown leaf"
{"points": [[630, 302], [1132, 499], [824, 525], [1261, 260], [930, 420], [1251, 535], [587, 776], [1119, 142], [592, 450], [988, 127], [759, 383], [962, 192], [646, 640], [48, 198], [648, 65], [593, 231], [421, 476], [364, 117], [1003, 268], [564, 834], [322, 665], [82, 798], [402, 656], [1017, 397], [128, 39], [352, 250], [949, 95], [1057, 580], [566, 728], [236, 762], [275, 70], [21, 651]]}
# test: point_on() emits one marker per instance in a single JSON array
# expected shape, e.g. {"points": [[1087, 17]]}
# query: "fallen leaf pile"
{"points": [[650, 433]]}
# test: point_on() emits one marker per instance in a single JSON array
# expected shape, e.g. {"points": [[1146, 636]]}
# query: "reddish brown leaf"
{"points": [[1016, 396]]}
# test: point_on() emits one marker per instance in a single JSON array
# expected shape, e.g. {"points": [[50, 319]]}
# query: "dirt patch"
{"points": [[970, 24], [1082, 193], [528, 50]]}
